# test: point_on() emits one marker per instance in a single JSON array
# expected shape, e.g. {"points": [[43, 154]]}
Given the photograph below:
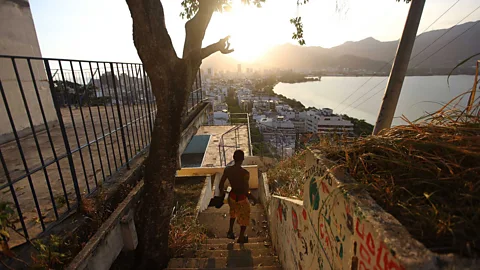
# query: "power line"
{"points": [[341, 103], [368, 97], [389, 62], [376, 93], [421, 52], [444, 33], [441, 16], [441, 48], [371, 89]]}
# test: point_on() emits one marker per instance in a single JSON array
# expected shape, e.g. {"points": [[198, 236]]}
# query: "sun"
{"points": [[252, 31], [244, 37], [246, 50]]}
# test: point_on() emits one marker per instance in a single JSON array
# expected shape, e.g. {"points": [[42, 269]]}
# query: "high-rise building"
{"points": [[239, 68], [209, 71]]}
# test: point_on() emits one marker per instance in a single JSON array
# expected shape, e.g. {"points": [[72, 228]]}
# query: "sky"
{"points": [[102, 29]]}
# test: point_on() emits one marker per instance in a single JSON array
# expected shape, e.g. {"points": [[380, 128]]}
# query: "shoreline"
{"points": [[362, 76], [361, 126]]}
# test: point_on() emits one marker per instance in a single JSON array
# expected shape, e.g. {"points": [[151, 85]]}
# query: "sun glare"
{"points": [[251, 29]]}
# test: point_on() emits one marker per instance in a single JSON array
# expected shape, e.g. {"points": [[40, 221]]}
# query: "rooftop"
{"points": [[232, 141]]}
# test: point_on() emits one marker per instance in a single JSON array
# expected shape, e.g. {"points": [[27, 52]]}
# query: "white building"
{"points": [[270, 126], [244, 95], [299, 124], [220, 118], [286, 111], [220, 107], [324, 121]]}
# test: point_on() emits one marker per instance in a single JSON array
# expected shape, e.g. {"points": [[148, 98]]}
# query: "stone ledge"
{"points": [[116, 233], [340, 227]]}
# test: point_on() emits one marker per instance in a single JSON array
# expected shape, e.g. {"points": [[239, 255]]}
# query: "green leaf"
{"points": [[4, 233]]}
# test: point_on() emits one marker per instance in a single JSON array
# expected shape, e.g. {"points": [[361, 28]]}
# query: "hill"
{"points": [[368, 54], [463, 47]]}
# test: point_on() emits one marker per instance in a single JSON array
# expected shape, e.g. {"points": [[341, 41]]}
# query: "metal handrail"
{"points": [[222, 144]]}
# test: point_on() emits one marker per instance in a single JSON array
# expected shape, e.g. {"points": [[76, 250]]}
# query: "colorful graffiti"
{"points": [[297, 248], [374, 254], [294, 220], [324, 231], [314, 194], [282, 211]]}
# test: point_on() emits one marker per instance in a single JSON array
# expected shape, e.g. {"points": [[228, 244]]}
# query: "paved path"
{"points": [[232, 142]]}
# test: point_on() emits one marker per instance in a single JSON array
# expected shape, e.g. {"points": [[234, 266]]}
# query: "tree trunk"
{"points": [[160, 169], [171, 79]]}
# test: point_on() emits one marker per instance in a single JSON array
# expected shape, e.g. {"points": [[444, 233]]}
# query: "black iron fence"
{"points": [[66, 127]]}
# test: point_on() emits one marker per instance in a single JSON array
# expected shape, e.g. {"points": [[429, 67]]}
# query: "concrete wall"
{"points": [[205, 196], [335, 227], [117, 233], [18, 37], [264, 195], [205, 171]]}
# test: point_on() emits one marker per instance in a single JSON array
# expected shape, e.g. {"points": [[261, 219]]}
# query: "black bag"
{"points": [[216, 201]]}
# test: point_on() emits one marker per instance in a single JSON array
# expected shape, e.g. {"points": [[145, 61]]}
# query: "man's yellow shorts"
{"points": [[240, 210]]}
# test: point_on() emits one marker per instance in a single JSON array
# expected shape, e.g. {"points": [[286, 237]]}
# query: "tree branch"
{"points": [[196, 27], [222, 46], [150, 31]]}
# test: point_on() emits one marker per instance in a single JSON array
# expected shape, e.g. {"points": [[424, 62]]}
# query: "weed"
{"points": [[60, 201], [185, 232], [49, 253], [287, 178]]}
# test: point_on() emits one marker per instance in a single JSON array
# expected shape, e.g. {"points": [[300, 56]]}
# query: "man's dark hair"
{"points": [[238, 156]]}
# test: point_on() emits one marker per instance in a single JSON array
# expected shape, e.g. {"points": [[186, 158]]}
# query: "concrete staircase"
{"points": [[222, 253]]}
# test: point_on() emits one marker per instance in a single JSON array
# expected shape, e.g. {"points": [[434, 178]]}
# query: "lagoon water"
{"points": [[420, 94]]}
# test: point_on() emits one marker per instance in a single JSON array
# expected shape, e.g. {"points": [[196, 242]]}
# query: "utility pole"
{"points": [[399, 68]]}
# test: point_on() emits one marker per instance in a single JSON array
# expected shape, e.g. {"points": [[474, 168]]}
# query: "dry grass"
{"points": [[287, 178], [185, 232], [426, 174]]}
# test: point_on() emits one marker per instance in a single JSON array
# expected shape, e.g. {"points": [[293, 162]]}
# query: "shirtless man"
{"points": [[238, 196]]}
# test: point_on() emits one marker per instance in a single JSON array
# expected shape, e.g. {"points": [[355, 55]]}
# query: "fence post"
{"points": [[220, 154], [122, 132], [64, 132], [193, 102], [147, 94], [249, 136], [200, 80], [198, 90]]}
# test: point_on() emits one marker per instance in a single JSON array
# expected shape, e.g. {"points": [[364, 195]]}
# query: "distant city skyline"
{"points": [[102, 29]]}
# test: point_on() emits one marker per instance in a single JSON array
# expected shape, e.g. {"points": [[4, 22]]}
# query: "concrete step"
{"points": [[236, 268], [217, 222], [235, 246], [258, 208], [205, 253], [227, 240], [222, 262]]}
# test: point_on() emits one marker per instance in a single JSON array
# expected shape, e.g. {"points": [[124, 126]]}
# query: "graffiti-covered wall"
{"points": [[292, 235], [335, 227]]}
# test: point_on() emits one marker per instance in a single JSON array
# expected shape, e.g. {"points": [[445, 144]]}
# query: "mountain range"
{"points": [[368, 54]]}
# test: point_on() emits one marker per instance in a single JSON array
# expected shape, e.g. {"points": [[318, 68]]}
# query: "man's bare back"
{"points": [[238, 178]]}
